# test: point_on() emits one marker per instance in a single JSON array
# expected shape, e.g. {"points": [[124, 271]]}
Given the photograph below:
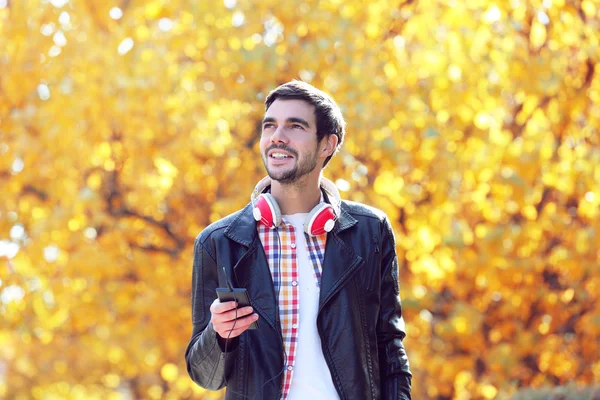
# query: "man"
{"points": [[321, 274]]}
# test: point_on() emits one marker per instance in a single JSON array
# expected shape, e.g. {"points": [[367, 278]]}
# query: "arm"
{"points": [[394, 368], [207, 363]]}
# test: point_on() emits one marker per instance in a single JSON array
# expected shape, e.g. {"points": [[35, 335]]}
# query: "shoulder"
{"points": [[217, 228], [363, 211]]}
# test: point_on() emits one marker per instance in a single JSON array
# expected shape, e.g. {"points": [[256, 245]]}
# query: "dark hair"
{"points": [[327, 113]]}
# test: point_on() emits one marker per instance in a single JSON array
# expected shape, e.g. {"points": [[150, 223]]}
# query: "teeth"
{"points": [[279, 155]]}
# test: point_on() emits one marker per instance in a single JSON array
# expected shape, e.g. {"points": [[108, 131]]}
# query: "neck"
{"points": [[299, 197]]}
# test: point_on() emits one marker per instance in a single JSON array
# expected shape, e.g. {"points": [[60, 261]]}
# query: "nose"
{"points": [[279, 135]]}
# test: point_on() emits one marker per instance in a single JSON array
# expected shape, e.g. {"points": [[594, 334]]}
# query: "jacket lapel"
{"points": [[251, 271], [340, 261]]}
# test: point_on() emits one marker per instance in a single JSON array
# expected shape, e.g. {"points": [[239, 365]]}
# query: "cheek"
{"points": [[264, 143]]}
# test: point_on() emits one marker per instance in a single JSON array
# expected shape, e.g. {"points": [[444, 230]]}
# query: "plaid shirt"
{"points": [[285, 281]]}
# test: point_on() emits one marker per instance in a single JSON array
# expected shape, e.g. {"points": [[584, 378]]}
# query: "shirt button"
{"points": [[294, 283], [290, 368], [293, 245], [295, 326]]}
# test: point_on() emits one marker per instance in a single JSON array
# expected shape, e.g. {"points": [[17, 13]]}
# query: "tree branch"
{"points": [[30, 189]]}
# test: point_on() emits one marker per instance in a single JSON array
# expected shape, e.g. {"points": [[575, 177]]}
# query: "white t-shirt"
{"points": [[311, 378]]}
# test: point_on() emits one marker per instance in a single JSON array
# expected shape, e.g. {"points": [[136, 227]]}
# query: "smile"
{"points": [[279, 156]]}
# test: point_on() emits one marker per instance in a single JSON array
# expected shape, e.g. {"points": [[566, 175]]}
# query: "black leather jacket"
{"points": [[359, 319]]}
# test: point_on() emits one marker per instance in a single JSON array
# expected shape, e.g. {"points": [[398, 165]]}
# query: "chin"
{"points": [[279, 176], [283, 177]]}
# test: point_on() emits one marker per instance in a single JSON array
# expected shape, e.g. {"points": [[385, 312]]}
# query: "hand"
{"points": [[223, 318]]}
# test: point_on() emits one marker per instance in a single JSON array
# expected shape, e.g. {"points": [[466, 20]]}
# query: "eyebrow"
{"points": [[290, 120]]}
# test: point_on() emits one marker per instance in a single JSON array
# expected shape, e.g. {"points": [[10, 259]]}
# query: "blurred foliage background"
{"points": [[126, 126]]}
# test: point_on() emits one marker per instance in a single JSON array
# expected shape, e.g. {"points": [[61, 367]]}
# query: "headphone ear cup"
{"points": [[321, 219], [274, 209], [266, 211]]}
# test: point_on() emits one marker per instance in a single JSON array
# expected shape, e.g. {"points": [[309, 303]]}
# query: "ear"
{"points": [[329, 145]]}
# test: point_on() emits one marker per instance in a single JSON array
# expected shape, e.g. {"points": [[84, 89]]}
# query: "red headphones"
{"points": [[321, 219]]}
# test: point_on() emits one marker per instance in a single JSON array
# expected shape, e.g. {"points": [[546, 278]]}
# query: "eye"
{"points": [[268, 125], [297, 126]]}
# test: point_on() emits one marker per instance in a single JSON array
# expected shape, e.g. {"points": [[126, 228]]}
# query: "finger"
{"points": [[234, 333], [243, 323], [223, 323], [237, 332], [232, 315], [217, 307], [238, 326]]}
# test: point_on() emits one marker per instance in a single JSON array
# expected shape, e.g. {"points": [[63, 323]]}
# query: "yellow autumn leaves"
{"points": [[125, 128]]}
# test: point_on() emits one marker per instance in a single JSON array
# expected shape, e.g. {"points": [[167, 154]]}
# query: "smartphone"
{"points": [[239, 295]]}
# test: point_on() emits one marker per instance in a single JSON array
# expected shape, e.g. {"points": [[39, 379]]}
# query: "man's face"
{"points": [[288, 144]]}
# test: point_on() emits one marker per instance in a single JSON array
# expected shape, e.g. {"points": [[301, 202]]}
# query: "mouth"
{"points": [[279, 155]]}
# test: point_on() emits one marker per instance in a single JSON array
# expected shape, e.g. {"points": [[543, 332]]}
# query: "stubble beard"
{"points": [[291, 176]]}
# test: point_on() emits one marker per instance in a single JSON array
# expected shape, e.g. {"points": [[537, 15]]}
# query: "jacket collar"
{"points": [[242, 229]]}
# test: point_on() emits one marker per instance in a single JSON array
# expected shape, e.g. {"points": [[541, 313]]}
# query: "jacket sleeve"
{"points": [[395, 373], [207, 363]]}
